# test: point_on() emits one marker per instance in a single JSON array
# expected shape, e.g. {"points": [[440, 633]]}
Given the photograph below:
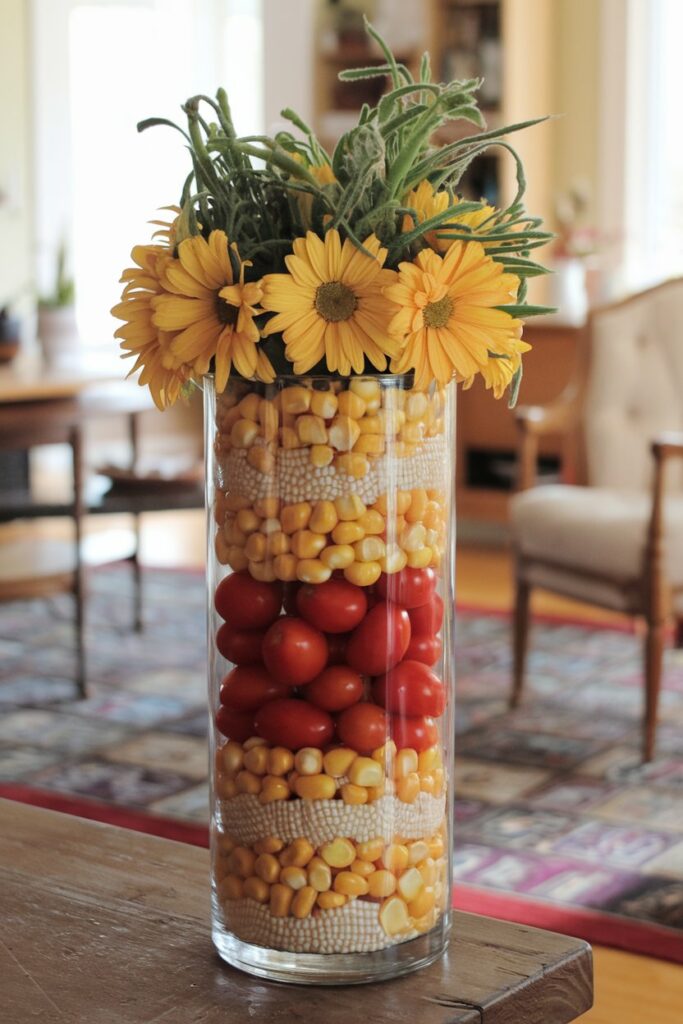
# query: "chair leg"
{"points": [[137, 580], [79, 600], [678, 633], [520, 640], [654, 652]]}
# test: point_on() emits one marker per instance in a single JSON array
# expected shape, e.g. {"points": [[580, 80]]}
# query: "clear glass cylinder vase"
{"points": [[331, 597]]}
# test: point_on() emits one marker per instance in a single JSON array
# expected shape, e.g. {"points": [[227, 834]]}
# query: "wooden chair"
{"points": [[616, 542], [39, 567]]}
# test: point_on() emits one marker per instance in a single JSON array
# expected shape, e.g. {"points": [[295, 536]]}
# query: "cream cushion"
{"points": [[580, 532]]}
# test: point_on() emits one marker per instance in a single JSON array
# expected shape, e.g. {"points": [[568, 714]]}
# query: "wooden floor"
{"points": [[629, 989]]}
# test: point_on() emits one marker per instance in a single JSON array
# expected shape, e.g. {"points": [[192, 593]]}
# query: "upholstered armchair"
{"points": [[615, 540]]}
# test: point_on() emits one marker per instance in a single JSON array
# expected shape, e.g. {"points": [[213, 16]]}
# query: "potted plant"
{"points": [[57, 329]]}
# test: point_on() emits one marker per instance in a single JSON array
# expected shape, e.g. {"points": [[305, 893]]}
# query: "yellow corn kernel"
{"points": [[392, 421], [269, 844], [436, 846], [420, 559], [349, 884], [256, 889], [236, 559], [280, 761], [337, 762], [231, 888], [226, 788], [321, 455], [352, 405], [337, 556], [254, 741], [433, 517], [427, 869], [295, 400], [297, 854], [243, 434], [324, 404], [403, 500], [311, 430], [270, 525], [267, 867], [319, 874], [371, 425], [304, 901], [363, 574], [394, 559], [385, 755], [372, 522], [377, 792], [249, 407], [306, 544], [277, 543], [405, 762], [422, 903], [255, 548], [370, 850], [315, 787], [289, 439], [410, 884], [281, 897], [227, 419], [353, 464], [312, 570], [427, 759], [369, 549], [366, 772], [232, 756], [233, 534], [324, 517], [241, 861], [381, 884], [439, 781], [408, 788], [417, 404], [349, 508], [309, 761], [393, 916], [284, 567], [412, 537], [295, 517], [347, 533], [236, 502], [339, 853], [261, 459], [343, 433], [370, 444], [295, 878], [352, 794], [256, 760], [262, 571], [247, 520], [273, 788], [247, 782], [269, 420], [427, 783], [330, 900], [395, 857], [418, 505], [369, 391], [411, 434]]}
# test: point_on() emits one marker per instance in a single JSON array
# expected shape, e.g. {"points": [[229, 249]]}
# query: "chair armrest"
{"points": [[533, 422]]}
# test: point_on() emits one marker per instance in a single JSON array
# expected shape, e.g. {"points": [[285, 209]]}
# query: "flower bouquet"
{"points": [[327, 304]]}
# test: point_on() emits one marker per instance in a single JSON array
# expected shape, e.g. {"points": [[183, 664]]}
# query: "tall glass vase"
{"points": [[331, 575]]}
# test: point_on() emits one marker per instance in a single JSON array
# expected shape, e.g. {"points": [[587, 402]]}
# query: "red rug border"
{"points": [[597, 927]]}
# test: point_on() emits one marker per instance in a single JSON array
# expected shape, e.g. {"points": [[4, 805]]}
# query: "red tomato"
{"points": [[428, 618], [236, 725], [294, 724], [380, 641], [334, 607], [249, 687], [417, 733], [336, 645], [336, 688], [240, 646], [410, 689], [426, 649], [410, 587], [246, 603], [363, 727], [294, 652]]}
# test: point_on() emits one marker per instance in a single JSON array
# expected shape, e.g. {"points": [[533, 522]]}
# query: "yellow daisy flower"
{"points": [[447, 315], [211, 315], [331, 305], [498, 372], [427, 203], [141, 338]]}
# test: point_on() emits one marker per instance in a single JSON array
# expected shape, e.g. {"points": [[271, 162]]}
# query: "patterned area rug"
{"points": [[557, 820]]}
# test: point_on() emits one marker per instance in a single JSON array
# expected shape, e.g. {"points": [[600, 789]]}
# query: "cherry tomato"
{"points": [[240, 646], [410, 689], [336, 645], [337, 687], [249, 687], [417, 733], [294, 652], [426, 620], [246, 603], [380, 641], [334, 607], [236, 725], [426, 649], [410, 587], [363, 727], [294, 724]]}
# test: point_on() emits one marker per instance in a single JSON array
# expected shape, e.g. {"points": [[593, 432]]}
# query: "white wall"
{"points": [[288, 45]]}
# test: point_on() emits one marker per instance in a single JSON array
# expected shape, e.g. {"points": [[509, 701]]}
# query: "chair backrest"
{"points": [[635, 386]]}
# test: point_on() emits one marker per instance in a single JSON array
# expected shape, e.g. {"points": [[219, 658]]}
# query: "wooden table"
{"points": [[99, 925]]}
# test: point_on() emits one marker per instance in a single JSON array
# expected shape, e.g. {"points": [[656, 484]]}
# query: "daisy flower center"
{"points": [[226, 313], [437, 314], [335, 301]]}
